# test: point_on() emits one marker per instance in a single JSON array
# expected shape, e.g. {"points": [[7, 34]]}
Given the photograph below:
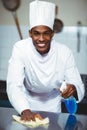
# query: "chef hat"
{"points": [[41, 13]]}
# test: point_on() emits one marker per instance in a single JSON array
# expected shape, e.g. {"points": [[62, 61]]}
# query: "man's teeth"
{"points": [[41, 45]]}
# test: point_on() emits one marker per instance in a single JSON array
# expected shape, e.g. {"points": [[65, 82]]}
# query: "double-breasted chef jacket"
{"points": [[33, 79]]}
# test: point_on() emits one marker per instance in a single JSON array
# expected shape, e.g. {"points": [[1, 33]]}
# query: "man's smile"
{"points": [[41, 44]]}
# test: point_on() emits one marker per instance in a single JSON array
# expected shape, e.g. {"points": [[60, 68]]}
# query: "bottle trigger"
{"points": [[63, 86]]}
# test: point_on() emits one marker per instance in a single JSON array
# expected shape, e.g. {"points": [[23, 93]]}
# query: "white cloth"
{"points": [[32, 78], [41, 13]]}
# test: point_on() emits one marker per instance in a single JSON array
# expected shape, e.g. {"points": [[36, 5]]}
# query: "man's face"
{"points": [[41, 36]]}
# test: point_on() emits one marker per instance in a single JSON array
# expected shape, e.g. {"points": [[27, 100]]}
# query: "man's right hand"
{"points": [[28, 115]]}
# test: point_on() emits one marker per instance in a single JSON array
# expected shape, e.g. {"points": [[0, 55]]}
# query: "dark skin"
{"points": [[70, 90], [41, 37], [28, 115]]}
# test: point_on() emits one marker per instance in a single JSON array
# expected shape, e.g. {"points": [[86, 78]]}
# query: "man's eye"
{"points": [[36, 33], [47, 33]]}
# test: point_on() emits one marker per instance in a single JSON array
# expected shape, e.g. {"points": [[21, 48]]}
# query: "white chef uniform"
{"points": [[32, 78]]}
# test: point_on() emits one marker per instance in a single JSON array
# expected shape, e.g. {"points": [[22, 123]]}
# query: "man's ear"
{"points": [[52, 34], [30, 33]]}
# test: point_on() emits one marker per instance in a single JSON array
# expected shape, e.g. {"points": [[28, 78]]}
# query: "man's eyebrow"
{"points": [[35, 31]]}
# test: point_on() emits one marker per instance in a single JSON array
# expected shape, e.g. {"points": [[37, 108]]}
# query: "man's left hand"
{"points": [[70, 90]]}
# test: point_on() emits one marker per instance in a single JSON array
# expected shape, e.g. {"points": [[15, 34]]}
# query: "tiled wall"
{"points": [[9, 35], [69, 37]]}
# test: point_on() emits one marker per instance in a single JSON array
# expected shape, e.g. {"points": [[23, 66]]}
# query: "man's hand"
{"points": [[70, 90], [28, 115]]}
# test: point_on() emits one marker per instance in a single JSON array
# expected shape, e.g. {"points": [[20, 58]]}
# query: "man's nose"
{"points": [[41, 38]]}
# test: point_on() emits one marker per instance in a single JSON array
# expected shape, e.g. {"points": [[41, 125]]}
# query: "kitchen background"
{"points": [[69, 11]]}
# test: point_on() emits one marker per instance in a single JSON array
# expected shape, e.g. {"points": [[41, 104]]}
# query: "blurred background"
{"points": [[70, 29], [73, 14]]}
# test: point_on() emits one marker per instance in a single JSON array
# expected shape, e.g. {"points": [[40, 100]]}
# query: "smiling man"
{"points": [[41, 36], [39, 65]]}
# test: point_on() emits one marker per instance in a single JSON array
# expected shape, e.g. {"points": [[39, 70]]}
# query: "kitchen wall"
{"points": [[69, 37], [70, 12], [8, 36]]}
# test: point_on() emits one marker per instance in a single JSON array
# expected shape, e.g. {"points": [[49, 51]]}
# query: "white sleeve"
{"points": [[72, 76], [15, 88]]}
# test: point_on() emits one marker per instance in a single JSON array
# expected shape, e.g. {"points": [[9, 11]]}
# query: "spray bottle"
{"points": [[70, 102]]}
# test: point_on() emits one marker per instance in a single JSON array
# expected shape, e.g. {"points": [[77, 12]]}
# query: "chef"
{"points": [[39, 65]]}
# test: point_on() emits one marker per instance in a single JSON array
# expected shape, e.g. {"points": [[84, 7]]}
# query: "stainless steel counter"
{"points": [[58, 121]]}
